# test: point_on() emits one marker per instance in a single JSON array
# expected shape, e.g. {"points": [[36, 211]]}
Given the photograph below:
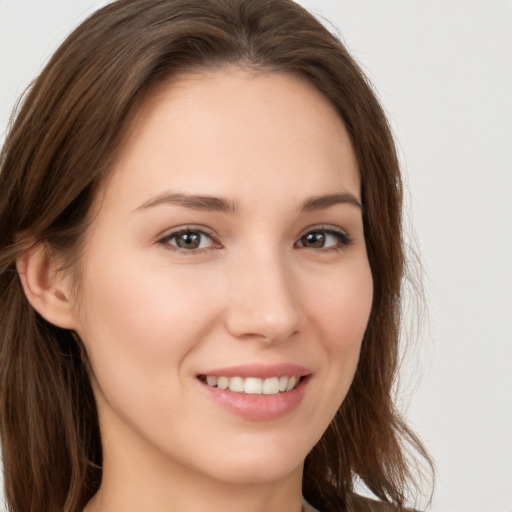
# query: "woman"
{"points": [[201, 264]]}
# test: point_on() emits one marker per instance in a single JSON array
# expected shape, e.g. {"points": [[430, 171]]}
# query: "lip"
{"points": [[259, 407], [260, 371]]}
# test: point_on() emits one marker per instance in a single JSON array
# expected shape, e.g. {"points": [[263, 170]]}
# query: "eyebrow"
{"points": [[323, 202], [202, 203], [217, 204]]}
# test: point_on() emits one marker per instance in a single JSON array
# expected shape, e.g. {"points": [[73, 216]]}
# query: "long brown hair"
{"points": [[65, 136]]}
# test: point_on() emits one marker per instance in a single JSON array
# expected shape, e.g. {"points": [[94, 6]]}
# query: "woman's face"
{"points": [[226, 249]]}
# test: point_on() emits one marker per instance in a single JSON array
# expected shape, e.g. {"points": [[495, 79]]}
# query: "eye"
{"points": [[324, 239], [188, 239]]}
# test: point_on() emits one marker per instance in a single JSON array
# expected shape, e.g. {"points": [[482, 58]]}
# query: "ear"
{"points": [[47, 288]]}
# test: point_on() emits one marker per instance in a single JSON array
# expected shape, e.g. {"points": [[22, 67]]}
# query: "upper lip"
{"points": [[260, 371]]}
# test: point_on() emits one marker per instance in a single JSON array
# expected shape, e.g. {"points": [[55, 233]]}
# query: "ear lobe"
{"points": [[46, 287]]}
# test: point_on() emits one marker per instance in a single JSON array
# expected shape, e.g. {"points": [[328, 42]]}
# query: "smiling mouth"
{"points": [[252, 385]]}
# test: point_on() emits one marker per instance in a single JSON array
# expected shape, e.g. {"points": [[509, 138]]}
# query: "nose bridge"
{"points": [[262, 299]]}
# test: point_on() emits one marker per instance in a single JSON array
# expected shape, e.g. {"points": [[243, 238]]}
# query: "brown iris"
{"points": [[188, 240], [314, 239]]}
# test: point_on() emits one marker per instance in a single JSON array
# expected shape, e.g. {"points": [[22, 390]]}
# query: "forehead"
{"points": [[201, 131]]}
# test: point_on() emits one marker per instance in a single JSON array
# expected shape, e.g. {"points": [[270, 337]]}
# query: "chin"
{"points": [[260, 466], [254, 474]]}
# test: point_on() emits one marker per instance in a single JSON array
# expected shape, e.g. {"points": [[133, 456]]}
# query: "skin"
{"points": [[152, 317]]}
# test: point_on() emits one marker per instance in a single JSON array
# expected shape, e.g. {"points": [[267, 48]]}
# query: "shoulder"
{"points": [[356, 503]]}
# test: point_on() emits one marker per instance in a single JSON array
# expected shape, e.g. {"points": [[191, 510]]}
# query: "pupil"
{"points": [[315, 239], [188, 240]]}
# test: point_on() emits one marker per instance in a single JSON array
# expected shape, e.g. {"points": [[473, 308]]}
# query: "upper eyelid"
{"points": [[211, 232], [345, 239], [324, 227], [164, 240], [170, 233]]}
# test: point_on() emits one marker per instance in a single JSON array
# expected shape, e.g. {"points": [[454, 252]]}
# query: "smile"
{"points": [[252, 385]]}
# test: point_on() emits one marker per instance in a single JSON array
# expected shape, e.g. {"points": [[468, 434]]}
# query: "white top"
{"points": [[306, 507]]}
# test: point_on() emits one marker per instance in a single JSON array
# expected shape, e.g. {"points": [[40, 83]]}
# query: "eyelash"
{"points": [[188, 230], [344, 240]]}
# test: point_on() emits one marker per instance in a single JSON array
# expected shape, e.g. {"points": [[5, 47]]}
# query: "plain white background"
{"points": [[442, 69]]}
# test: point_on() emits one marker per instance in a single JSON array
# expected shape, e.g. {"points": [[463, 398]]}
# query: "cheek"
{"points": [[341, 317], [140, 322], [343, 308], [138, 318]]}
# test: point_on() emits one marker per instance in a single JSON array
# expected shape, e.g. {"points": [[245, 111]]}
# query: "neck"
{"points": [[133, 492]]}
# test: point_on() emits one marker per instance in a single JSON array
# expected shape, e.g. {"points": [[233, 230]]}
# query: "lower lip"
{"points": [[259, 407]]}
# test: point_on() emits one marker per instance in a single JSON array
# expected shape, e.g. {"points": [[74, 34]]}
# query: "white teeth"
{"points": [[254, 385], [291, 383], [271, 386], [222, 382], [211, 380], [236, 384]]}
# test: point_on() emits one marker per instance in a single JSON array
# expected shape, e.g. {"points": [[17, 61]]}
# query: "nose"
{"points": [[262, 300]]}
